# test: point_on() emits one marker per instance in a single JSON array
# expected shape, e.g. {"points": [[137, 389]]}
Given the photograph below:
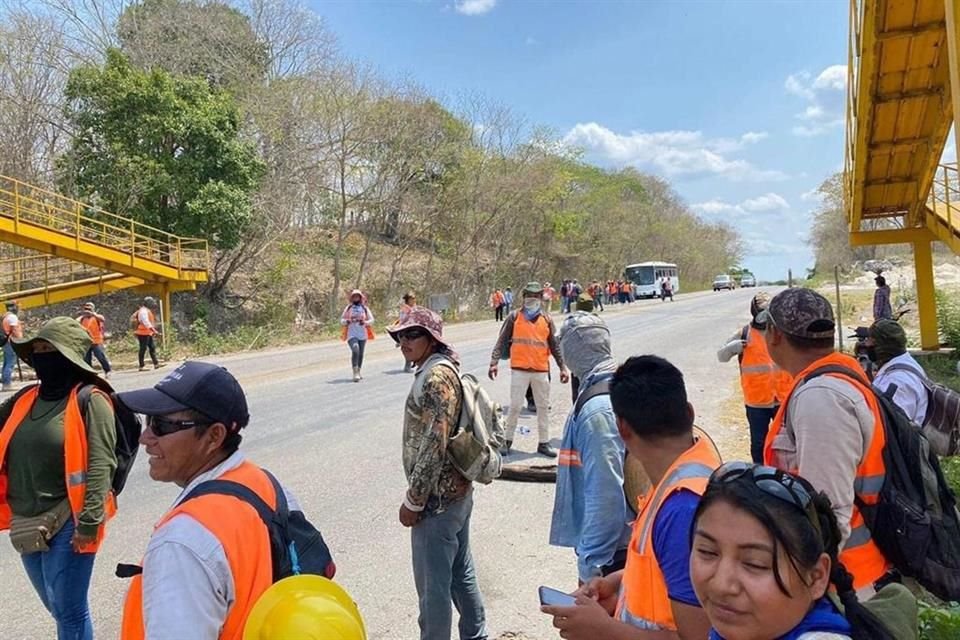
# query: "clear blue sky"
{"points": [[739, 104]]}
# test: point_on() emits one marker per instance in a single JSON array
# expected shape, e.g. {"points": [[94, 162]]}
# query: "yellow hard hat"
{"points": [[305, 607]]}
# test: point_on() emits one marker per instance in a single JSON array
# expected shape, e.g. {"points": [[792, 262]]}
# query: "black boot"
{"points": [[545, 449]]}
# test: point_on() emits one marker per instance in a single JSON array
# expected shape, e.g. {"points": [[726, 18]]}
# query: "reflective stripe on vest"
{"points": [[529, 349], [643, 601], [758, 373], [75, 457], [246, 545], [860, 554]]}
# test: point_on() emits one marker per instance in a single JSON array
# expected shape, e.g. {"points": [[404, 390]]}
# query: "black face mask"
{"points": [[872, 353], [57, 375]]}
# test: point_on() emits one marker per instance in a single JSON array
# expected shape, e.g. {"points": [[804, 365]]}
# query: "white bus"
{"points": [[647, 276]]}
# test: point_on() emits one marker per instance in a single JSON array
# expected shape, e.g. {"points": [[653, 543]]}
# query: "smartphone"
{"points": [[556, 598]]}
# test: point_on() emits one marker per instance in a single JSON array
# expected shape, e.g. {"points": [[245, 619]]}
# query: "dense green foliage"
{"points": [[163, 150]]}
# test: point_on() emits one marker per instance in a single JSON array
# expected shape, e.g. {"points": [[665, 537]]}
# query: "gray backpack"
{"points": [[474, 446], [941, 426]]}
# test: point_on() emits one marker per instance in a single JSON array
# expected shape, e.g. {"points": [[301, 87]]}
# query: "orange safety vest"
{"points": [[93, 327], [860, 554], [246, 544], [529, 348], [625, 287], [75, 461], [14, 332], [758, 374], [142, 329], [643, 602]]}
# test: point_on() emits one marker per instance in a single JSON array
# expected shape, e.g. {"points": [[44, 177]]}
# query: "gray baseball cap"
{"points": [[802, 313]]}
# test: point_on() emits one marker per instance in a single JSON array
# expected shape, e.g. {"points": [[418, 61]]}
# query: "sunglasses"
{"points": [[773, 482], [412, 334], [163, 427]]}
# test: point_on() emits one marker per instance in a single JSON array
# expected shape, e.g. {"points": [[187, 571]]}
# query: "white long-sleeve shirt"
{"points": [[188, 586], [911, 393]]}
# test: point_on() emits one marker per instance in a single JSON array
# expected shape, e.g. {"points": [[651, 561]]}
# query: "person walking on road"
{"points": [[146, 331], [882, 309], [209, 558], [438, 502], [652, 597], [357, 322], [764, 384], [589, 507], [529, 335], [409, 302], [95, 325], [508, 298], [57, 462], [829, 429], [549, 293], [497, 301], [11, 329]]}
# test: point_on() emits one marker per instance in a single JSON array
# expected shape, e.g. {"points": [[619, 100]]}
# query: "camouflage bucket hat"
{"points": [[424, 319], [66, 335], [802, 313]]}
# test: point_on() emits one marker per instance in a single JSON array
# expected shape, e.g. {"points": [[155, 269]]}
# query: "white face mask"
{"points": [[531, 305]]}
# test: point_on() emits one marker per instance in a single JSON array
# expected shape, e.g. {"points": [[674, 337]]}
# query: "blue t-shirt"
{"points": [[671, 544]]}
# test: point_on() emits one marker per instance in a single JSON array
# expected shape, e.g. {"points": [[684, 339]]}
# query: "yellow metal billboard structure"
{"points": [[82, 250], [903, 95]]}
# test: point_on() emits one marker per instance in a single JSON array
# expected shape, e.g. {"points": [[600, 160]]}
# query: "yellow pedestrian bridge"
{"points": [[903, 97], [74, 250]]}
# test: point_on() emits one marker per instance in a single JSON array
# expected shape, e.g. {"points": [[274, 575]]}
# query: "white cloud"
{"points": [[825, 96], [531, 41], [766, 202], [743, 212], [671, 153], [752, 137], [761, 244], [813, 195], [474, 7]]}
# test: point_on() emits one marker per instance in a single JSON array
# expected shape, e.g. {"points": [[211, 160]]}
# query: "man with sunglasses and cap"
{"points": [[438, 502], [652, 597], [829, 429], [208, 559]]}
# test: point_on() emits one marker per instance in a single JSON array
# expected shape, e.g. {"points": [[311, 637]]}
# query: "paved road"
{"points": [[336, 444]]}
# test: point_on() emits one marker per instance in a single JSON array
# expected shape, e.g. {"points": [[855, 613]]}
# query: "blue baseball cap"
{"points": [[198, 386]]}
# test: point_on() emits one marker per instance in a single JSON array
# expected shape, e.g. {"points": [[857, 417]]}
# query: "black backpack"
{"points": [[296, 546], [127, 424], [915, 521], [599, 388]]}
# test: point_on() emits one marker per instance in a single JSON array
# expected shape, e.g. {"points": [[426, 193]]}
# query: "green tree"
{"points": [[162, 150]]}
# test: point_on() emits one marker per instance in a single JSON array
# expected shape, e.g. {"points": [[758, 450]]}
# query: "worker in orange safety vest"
{"points": [[95, 324], [764, 384], [829, 428], [652, 597]]}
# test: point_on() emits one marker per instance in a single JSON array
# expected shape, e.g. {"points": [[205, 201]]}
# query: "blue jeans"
{"points": [[61, 578], [759, 420], [443, 571], [97, 351], [9, 362]]}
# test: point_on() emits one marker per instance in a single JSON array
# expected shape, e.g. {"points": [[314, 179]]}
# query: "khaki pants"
{"points": [[539, 382]]}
